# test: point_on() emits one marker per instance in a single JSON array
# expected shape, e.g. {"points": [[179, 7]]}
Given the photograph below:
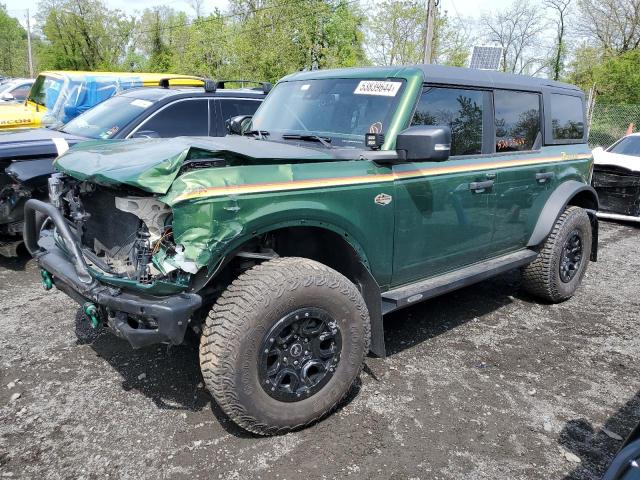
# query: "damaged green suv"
{"points": [[348, 195]]}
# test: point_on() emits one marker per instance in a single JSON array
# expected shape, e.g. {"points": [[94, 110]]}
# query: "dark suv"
{"points": [[26, 155]]}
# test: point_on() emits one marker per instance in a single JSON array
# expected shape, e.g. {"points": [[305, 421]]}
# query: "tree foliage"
{"points": [[612, 24], [13, 46], [83, 35], [518, 31], [560, 9], [587, 42], [396, 35]]}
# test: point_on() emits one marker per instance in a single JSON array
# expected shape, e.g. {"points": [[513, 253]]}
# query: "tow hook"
{"points": [[91, 311], [47, 280]]}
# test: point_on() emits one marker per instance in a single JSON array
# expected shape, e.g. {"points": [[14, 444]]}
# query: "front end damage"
{"points": [[20, 180], [619, 192], [113, 251], [156, 223], [13, 196]]}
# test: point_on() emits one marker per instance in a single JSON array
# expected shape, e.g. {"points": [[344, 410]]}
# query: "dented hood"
{"points": [[153, 164], [629, 162]]}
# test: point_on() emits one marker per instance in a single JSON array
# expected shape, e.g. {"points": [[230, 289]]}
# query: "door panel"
{"points": [[441, 223], [520, 193], [445, 218], [520, 188]]}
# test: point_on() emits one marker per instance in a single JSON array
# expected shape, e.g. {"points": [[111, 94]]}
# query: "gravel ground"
{"points": [[481, 383]]}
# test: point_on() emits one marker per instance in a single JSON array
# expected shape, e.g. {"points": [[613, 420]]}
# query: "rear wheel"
{"points": [[558, 270], [283, 344]]}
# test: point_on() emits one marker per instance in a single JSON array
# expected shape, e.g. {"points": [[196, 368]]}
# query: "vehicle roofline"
{"points": [[441, 74]]}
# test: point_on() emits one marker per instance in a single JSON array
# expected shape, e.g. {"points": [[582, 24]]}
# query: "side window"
{"points": [[21, 92], [187, 117], [567, 119], [457, 108], [517, 120], [232, 107]]}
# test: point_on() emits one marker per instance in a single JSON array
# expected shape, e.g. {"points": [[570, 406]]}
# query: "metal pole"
{"points": [[29, 45], [428, 40]]}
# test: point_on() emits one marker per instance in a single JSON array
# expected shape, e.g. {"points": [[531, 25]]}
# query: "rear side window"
{"points": [[567, 119], [21, 92], [517, 120], [232, 107], [457, 108], [187, 117]]}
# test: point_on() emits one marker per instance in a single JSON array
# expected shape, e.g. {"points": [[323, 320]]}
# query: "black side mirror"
{"points": [[424, 143], [239, 124]]}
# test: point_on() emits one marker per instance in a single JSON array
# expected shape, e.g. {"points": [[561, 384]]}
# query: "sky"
{"points": [[467, 8]]}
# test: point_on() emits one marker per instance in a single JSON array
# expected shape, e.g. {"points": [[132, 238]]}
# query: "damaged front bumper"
{"points": [[619, 193], [139, 318]]}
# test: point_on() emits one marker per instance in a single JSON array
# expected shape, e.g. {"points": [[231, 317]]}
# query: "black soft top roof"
{"points": [[440, 74], [488, 78]]}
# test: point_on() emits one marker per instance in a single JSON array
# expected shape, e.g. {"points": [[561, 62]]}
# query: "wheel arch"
{"points": [[569, 193], [331, 246]]}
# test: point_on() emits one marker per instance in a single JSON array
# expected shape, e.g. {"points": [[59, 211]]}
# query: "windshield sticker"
{"points": [[141, 103], [375, 127], [61, 145], [305, 87], [112, 130], [380, 88]]}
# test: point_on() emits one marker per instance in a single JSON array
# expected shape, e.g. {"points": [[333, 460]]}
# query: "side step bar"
{"points": [[432, 287]]}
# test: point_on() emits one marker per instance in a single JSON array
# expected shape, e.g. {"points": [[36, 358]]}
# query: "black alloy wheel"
{"points": [[572, 253], [299, 355]]}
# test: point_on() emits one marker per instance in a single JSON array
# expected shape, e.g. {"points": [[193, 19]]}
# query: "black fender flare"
{"points": [[372, 296], [556, 204]]}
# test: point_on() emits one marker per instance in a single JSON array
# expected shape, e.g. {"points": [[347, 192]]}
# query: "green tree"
{"points": [[13, 46], [159, 39], [270, 38], [453, 40], [396, 35], [617, 79], [83, 35], [204, 48], [396, 30], [561, 10]]}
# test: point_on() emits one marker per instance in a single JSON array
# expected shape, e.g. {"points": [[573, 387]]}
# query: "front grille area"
{"points": [[618, 190], [108, 231]]}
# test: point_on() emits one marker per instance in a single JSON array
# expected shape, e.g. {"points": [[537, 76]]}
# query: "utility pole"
{"points": [[29, 44], [428, 39]]}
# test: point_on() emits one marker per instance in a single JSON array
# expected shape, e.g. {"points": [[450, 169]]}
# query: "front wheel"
{"points": [[558, 270], [283, 344]]}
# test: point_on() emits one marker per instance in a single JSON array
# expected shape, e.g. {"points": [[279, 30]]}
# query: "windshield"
{"points": [[107, 118], [45, 91], [627, 146], [339, 110]]}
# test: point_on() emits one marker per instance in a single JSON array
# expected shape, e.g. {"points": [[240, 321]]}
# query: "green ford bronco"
{"points": [[348, 195]]}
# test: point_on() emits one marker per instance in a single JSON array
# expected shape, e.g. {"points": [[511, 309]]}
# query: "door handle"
{"points": [[481, 187], [544, 176]]}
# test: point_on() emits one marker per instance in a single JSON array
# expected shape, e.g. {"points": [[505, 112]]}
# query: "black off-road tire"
{"points": [[235, 330], [542, 277]]}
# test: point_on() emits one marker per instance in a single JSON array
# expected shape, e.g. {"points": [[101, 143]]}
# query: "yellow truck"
{"points": [[56, 97]]}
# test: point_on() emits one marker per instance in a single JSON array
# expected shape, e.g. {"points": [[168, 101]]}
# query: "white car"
{"points": [[616, 178], [15, 90]]}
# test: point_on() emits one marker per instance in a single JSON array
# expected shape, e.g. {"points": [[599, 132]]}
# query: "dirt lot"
{"points": [[481, 383]]}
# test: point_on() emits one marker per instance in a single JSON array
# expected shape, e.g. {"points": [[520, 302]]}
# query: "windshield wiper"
{"points": [[314, 138], [259, 133]]}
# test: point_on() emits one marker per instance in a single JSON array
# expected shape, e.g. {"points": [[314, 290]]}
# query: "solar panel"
{"points": [[485, 58]]}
